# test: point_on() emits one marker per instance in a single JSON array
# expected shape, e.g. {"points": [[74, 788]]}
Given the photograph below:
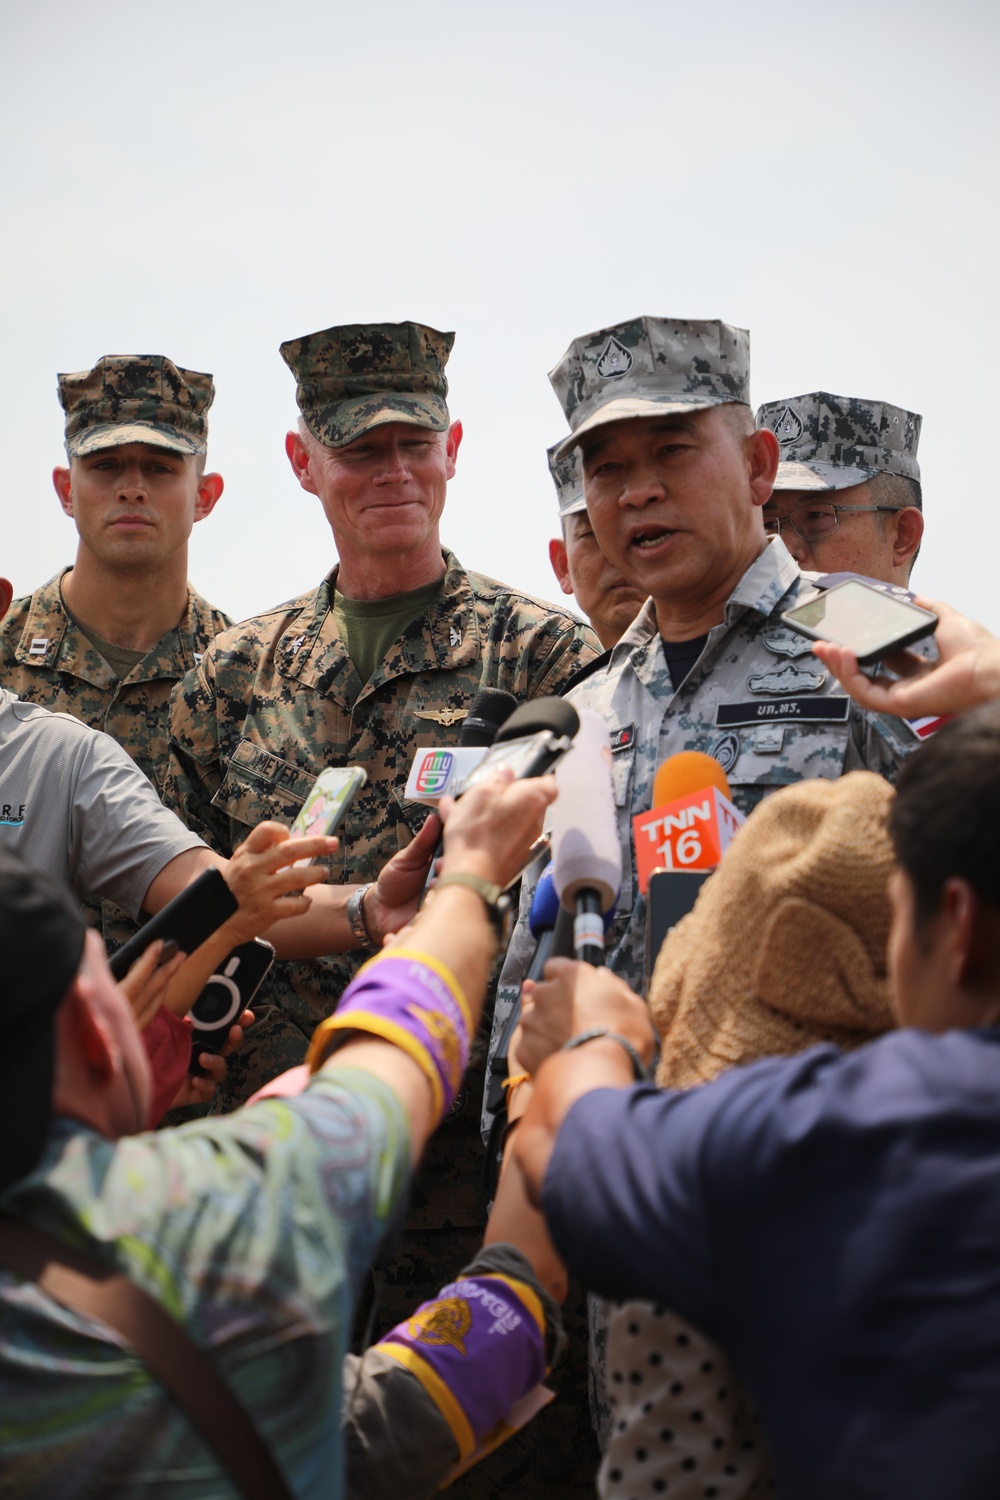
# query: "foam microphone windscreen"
{"points": [[688, 771], [541, 713], [586, 849], [491, 707], [544, 903]]}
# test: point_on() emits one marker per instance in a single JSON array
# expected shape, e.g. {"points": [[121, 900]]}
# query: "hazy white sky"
{"points": [[206, 179]]}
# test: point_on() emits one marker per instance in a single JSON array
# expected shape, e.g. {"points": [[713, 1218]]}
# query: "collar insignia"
{"points": [[39, 645], [455, 636]]}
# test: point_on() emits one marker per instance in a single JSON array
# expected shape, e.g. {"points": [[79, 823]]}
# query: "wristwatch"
{"points": [[498, 906], [356, 917]]}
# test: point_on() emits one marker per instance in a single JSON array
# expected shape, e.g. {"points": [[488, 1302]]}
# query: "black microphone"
{"points": [[491, 708], [586, 850], [531, 741]]}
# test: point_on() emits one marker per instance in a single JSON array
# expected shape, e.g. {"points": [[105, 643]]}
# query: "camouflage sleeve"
{"points": [[568, 651], [879, 743], [195, 771]]}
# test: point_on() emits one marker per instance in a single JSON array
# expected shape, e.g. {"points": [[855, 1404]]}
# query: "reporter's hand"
{"points": [[489, 831], [197, 1089], [147, 981], [573, 998], [966, 674], [261, 877], [392, 901]]}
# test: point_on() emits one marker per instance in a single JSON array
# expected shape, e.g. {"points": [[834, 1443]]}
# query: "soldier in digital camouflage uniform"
{"points": [[606, 598], [107, 639], [847, 496], [280, 697], [675, 478]]}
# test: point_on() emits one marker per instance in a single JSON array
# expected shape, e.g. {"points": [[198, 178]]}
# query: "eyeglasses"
{"points": [[814, 523]]}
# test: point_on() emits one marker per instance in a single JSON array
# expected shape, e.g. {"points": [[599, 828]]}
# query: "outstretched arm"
{"points": [[966, 674]]}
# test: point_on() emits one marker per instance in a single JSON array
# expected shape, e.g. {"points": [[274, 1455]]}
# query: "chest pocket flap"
{"points": [[260, 785]]}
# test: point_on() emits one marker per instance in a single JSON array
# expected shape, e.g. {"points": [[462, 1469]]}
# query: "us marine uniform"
{"points": [[47, 656], [278, 698]]}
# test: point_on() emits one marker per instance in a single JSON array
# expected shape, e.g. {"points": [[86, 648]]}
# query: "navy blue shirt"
{"points": [[833, 1220]]}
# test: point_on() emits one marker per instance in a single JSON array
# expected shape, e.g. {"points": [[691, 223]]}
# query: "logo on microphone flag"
{"points": [[433, 772], [691, 833]]}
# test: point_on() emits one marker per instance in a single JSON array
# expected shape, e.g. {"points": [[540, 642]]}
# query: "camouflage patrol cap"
{"points": [[567, 477], [136, 398], [650, 367], [832, 442], [361, 375]]}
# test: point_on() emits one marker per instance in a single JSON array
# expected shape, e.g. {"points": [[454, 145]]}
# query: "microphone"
{"points": [[535, 737], [587, 856], [491, 707], [679, 843], [692, 821]]}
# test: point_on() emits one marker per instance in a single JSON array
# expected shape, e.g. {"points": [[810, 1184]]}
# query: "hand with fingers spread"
{"points": [[966, 674], [266, 880], [148, 980]]}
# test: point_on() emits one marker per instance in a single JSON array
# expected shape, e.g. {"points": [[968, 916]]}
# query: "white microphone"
{"points": [[586, 849]]}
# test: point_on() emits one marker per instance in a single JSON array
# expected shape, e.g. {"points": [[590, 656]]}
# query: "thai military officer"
{"points": [[386, 654], [675, 479], [847, 496], [607, 600], [106, 639]]}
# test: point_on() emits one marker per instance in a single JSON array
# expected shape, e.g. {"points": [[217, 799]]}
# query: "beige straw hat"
{"points": [[786, 945]]}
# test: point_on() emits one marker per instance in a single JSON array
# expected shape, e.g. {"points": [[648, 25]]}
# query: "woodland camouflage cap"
{"points": [[567, 477], [136, 398], [832, 442], [360, 375], [650, 367]]}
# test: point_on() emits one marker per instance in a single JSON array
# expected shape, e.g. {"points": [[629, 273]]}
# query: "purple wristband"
{"points": [[476, 1349], [411, 1000]]}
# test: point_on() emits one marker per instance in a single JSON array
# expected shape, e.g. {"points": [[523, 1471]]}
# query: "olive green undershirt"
{"points": [[120, 659], [369, 627]]}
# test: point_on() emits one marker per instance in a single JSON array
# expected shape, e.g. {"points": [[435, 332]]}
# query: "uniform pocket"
{"points": [[260, 785], [773, 756]]}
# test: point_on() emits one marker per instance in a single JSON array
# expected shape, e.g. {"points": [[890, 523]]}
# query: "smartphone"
{"points": [[188, 920], [867, 621], [531, 755], [323, 810], [226, 996]]}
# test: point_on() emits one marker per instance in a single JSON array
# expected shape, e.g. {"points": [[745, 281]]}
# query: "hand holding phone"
{"points": [[323, 810], [868, 621]]}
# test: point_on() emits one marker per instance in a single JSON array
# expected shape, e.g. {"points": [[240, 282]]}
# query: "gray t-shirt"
{"points": [[75, 805]]}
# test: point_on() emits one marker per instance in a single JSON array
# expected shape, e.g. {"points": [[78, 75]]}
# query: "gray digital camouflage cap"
{"points": [[136, 398], [833, 442], [650, 367], [567, 476], [360, 375]]}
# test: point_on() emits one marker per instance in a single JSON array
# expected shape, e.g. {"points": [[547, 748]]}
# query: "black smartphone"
{"points": [[189, 919], [226, 996], [867, 621]]}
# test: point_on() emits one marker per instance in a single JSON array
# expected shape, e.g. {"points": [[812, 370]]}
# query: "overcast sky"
{"points": [[204, 180]]}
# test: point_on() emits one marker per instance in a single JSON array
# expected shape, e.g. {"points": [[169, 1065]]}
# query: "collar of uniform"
{"points": [[311, 650], [66, 647], [180, 649]]}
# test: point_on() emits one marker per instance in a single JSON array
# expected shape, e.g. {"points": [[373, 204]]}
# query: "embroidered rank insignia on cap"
{"points": [[726, 750], [39, 645], [623, 739], [787, 427], [616, 360]]}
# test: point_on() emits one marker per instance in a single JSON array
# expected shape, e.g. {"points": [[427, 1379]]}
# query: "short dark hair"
{"points": [[945, 818], [896, 490]]}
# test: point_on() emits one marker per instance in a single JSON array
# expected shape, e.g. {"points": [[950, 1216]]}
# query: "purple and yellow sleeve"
{"points": [[414, 1001], [476, 1349]]}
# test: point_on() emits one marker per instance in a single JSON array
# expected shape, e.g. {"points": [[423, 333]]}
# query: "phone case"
{"points": [[190, 918], [919, 632], [227, 995], [323, 810]]}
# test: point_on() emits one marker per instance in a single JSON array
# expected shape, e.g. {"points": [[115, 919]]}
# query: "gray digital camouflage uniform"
{"points": [[759, 702], [45, 658]]}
